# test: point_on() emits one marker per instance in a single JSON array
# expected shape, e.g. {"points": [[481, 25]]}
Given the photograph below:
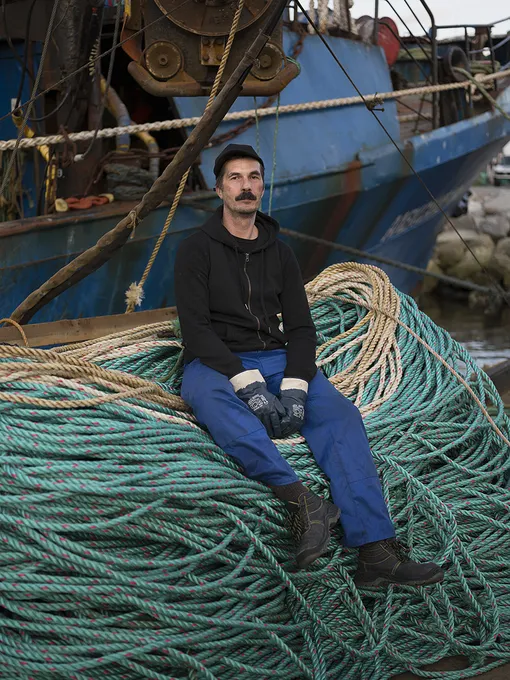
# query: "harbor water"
{"points": [[486, 337]]}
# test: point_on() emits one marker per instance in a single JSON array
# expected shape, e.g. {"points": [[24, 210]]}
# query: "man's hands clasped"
{"points": [[281, 417], [293, 395]]}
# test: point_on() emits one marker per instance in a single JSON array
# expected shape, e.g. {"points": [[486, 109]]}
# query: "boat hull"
{"points": [[337, 176], [395, 219]]}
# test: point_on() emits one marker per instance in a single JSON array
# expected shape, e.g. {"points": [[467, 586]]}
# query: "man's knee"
{"points": [[327, 403], [201, 385]]}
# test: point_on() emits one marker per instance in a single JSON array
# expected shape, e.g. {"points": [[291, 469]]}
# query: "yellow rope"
{"points": [[379, 352], [19, 328], [134, 294], [354, 275]]}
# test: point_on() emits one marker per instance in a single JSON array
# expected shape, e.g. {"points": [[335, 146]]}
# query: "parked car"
{"points": [[501, 170]]}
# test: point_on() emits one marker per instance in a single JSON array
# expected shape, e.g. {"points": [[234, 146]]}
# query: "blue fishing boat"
{"points": [[332, 171]]}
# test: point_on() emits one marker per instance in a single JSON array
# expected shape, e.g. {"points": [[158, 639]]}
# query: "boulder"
{"points": [[470, 266], [503, 247], [429, 283], [496, 226], [450, 250], [498, 205], [500, 262], [487, 303], [475, 208], [462, 222], [471, 236], [449, 253]]}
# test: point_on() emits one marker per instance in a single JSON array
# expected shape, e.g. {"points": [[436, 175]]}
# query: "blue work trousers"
{"points": [[333, 428]]}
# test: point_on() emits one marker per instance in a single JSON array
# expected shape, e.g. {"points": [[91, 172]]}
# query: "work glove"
{"points": [[251, 388], [293, 395]]}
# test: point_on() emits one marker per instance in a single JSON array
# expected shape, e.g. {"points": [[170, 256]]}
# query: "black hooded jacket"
{"points": [[228, 300]]}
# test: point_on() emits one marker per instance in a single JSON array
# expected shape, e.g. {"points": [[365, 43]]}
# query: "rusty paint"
{"points": [[352, 187], [26, 225], [186, 86], [395, 189]]}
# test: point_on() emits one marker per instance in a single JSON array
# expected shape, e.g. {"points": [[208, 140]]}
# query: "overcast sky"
{"points": [[445, 12]]}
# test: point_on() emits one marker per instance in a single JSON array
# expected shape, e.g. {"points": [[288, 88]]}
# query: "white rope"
{"points": [[323, 15], [337, 12], [313, 15], [408, 117], [27, 143]]}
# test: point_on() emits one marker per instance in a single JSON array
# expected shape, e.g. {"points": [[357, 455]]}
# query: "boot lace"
{"points": [[296, 524], [299, 517], [401, 550]]}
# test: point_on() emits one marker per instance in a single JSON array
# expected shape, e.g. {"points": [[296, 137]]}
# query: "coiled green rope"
{"points": [[132, 547]]}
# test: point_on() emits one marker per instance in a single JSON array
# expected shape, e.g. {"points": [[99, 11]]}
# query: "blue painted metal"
{"points": [[10, 74], [337, 177], [316, 142]]}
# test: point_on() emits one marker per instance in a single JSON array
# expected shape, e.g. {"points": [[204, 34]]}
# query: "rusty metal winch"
{"points": [[181, 53]]}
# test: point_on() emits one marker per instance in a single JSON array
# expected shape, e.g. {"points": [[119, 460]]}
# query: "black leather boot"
{"points": [[311, 520], [388, 561]]}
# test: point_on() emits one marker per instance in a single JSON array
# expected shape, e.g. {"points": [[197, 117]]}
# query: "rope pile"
{"points": [[133, 548]]}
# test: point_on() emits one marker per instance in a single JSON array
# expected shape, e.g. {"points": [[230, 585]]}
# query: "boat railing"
{"points": [[483, 32], [429, 36], [431, 61]]}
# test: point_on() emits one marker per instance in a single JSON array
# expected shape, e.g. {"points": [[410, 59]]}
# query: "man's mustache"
{"points": [[246, 196]]}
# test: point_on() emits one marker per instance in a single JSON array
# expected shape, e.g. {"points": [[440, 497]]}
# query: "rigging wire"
{"points": [[427, 56], [273, 167], [416, 17], [93, 60], [408, 52], [498, 289], [23, 125], [84, 155], [24, 68], [417, 112], [64, 14], [8, 36], [78, 85], [57, 108]]}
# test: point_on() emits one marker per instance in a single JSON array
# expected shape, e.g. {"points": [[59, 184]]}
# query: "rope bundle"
{"points": [[132, 547]]}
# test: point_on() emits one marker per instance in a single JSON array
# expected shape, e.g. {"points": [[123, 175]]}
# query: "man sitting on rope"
{"points": [[248, 379]]}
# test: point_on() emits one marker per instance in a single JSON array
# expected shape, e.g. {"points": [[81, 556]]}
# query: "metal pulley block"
{"points": [[183, 50], [163, 59]]}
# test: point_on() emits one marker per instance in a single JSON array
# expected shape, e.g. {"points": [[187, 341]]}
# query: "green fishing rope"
{"points": [[133, 548]]}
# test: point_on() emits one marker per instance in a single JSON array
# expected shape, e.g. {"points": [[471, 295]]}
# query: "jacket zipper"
{"points": [[248, 306]]}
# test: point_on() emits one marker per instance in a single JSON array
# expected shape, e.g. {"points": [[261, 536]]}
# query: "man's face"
{"points": [[242, 186]]}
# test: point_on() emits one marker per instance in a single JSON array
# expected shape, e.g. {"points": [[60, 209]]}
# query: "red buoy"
{"points": [[387, 38]]}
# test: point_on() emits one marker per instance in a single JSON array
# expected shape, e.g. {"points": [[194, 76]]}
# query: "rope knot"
{"points": [[134, 220], [134, 296], [374, 102]]}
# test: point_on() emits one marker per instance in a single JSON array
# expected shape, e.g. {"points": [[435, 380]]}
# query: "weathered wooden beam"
{"points": [[500, 376], [107, 245], [78, 330]]}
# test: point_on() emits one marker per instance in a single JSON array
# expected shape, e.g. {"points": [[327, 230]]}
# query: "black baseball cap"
{"points": [[235, 151]]}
